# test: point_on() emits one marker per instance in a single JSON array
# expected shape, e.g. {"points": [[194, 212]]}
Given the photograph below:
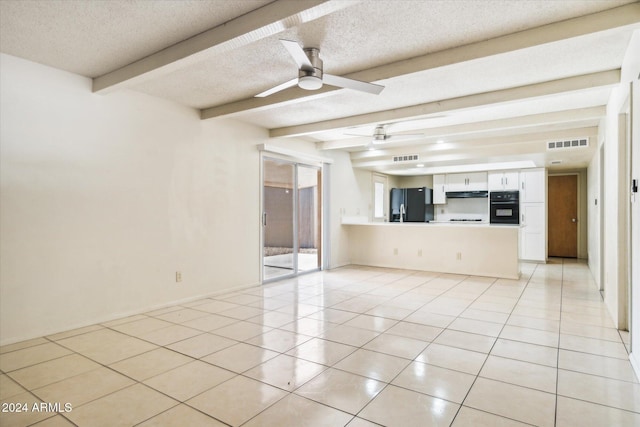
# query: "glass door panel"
{"points": [[309, 218], [278, 219]]}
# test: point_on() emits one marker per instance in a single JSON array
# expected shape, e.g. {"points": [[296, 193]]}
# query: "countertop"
{"points": [[428, 224]]}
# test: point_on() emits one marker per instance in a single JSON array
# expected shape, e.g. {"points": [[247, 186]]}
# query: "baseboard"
{"points": [[635, 364], [120, 315]]}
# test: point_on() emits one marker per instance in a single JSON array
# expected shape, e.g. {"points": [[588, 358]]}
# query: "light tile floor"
{"points": [[355, 346]]}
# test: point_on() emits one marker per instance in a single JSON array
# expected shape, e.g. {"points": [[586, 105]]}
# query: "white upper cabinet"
{"points": [[456, 182], [473, 181], [439, 190], [503, 181], [533, 185]]}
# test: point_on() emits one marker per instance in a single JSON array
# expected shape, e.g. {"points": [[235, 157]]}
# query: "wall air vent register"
{"points": [[569, 143], [406, 158]]}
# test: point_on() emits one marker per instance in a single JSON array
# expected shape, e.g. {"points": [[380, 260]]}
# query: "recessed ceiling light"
{"points": [[440, 141], [420, 165]]}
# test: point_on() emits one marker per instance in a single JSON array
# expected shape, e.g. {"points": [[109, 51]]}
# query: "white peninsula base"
{"points": [[473, 249]]}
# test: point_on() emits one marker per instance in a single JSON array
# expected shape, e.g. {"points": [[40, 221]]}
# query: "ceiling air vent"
{"points": [[568, 143], [405, 158]]}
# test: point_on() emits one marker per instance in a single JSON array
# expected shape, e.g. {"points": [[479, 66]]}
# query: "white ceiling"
{"points": [[494, 80]]}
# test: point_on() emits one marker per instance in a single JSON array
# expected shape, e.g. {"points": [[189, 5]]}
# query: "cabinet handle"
{"points": [[523, 185], [522, 218]]}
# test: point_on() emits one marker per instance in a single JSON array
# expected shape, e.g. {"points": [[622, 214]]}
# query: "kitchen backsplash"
{"points": [[463, 209]]}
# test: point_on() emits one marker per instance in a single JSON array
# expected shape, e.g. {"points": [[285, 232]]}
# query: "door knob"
{"points": [[574, 220]]}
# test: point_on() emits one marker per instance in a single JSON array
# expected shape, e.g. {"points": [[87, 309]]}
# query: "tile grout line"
{"points": [[354, 416], [321, 308], [555, 412], [489, 352]]}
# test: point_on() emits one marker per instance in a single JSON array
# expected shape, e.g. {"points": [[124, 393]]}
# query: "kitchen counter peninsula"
{"points": [[478, 249]]}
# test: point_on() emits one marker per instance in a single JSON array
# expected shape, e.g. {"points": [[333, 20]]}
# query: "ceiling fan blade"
{"points": [[296, 51], [283, 86], [344, 82], [394, 138], [405, 136]]}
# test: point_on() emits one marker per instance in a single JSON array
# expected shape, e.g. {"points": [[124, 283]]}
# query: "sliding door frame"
{"points": [[322, 196]]}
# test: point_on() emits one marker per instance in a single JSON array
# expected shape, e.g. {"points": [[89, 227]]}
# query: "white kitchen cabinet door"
{"points": [[503, 181], [439, 190], [456, 182], [496, 181], [511, 181], [474, 181], [533, 241], [477, 181], [533, 186]]}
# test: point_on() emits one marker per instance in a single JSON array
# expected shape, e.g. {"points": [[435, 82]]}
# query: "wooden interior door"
{"points": [[563, 216]]}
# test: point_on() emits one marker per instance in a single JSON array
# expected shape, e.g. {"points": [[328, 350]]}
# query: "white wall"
{"points": [[616, 201], [632, 72], [635, 233], [105, 197], [415, 181], [593, 215], [350, 196], [615, 186]]}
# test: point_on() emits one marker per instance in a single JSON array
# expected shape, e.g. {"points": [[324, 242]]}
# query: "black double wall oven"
{"points": [[504, 207]]}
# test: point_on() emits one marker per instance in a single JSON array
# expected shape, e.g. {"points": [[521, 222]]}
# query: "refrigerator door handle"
{"points": [[264, 219]]}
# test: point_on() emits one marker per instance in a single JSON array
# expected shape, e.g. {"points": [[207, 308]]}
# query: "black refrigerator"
{"points": [[412, 204]]}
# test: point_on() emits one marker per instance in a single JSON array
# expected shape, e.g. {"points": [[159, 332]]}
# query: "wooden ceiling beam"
{"points": [[508, 125], [552, 87], [265, 21], [584, 25]]}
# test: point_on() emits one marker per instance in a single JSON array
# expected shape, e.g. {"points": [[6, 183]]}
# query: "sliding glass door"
{"points": [[291, 218], [309, 219]]}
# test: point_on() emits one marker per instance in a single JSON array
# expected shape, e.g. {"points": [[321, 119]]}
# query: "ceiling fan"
{"points": [[311, 76], [380, 136]]}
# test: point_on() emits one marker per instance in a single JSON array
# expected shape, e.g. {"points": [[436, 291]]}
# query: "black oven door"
{"points": [[505, 213]]}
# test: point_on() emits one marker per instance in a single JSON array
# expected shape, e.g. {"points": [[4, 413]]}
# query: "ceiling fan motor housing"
{"points": [[311, 78], [379, 134]]}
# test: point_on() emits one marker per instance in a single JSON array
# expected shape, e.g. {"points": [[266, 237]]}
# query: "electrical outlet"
{"points": [[459, 256], [395, 251], [419, 252], [178, 276]]}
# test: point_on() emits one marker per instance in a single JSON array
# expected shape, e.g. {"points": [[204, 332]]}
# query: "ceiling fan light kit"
{"points": [[311, 76], [309, 82]]}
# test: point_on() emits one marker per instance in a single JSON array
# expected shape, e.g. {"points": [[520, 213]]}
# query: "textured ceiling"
{"points": [[91, 38], [523, 71]]}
